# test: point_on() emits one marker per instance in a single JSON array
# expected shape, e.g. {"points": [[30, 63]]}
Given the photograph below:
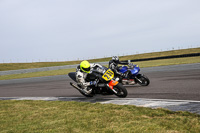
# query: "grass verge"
{"points": [[37, 74], [16, 66], [82, 117], [142, 64]]}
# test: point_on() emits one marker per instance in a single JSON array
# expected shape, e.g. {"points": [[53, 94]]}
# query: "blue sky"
{"points": [[60, 30]]}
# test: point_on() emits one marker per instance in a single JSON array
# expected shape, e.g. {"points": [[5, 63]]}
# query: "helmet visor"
{"points": [[86, 69]]}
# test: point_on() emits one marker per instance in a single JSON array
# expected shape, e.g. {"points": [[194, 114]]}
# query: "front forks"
{"points": [[138, 79]]}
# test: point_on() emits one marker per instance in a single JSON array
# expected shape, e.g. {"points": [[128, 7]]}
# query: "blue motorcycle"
{"points": [[133, 76]]}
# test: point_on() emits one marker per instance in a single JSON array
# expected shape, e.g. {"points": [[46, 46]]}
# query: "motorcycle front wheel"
{"points": [[121, 90], [142, 80]]}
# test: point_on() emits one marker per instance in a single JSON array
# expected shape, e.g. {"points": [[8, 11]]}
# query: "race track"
{"points": [[178, 82]]}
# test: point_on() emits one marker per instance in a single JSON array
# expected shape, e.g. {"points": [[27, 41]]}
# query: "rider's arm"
{"points": [[95, 65], [123, 62], [114, 68]]}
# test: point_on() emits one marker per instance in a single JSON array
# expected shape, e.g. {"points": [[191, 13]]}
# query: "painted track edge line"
{"points": [[146, 99]]}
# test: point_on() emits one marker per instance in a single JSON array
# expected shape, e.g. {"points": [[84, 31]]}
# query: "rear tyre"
{"points": [[121, 90], [143, 80]]}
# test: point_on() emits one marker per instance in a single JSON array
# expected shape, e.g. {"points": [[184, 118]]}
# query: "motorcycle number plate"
{"points": [[108, 75]]}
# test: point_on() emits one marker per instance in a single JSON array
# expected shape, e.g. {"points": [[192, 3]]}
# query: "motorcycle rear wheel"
{"points": [[121, 90]]}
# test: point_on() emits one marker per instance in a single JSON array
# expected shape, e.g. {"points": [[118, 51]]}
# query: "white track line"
{"points": [[121, 101]]}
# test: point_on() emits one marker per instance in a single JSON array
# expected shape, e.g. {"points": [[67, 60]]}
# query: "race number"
{"points": [[108, 75]]}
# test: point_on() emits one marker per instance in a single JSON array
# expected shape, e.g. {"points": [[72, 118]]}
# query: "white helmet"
{"points": [[115, 58]]}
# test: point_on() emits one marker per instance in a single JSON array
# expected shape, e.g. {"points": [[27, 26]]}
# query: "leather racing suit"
{"points": [[81, 77], [113, 65]]}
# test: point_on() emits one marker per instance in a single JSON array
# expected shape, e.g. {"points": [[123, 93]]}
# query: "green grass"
{"points": [[161, 54], [82, 117], [37, 74], [166, 62], [16, 66], [142, 64]]}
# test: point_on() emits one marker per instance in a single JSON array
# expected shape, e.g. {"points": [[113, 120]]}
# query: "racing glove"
{"points": [[130, 64], [93, 82]]}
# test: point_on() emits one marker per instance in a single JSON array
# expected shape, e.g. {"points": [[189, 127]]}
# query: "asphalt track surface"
{"points": [[177, 82]]}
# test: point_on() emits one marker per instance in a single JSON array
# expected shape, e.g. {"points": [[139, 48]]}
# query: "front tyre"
{"points": [[121, 90], [142, 80]]}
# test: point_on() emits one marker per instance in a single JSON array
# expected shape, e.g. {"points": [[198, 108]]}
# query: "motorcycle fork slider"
{"points": [[138, 79]]}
